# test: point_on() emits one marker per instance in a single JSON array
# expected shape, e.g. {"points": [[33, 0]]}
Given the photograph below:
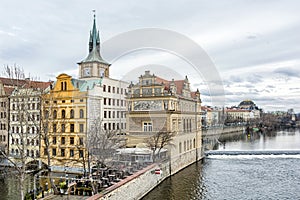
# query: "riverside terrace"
{"points": [[126, 163]]}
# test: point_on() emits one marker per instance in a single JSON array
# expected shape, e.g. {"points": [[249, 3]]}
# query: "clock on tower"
{"points": [[87, 72]]}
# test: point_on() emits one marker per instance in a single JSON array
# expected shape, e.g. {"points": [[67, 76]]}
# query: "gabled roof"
{"points": [[10, 84]]}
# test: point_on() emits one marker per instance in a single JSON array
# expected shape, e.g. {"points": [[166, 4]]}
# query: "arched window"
{"points": [[62, 86], [72, 113], [65, 85], [63, 114], [81, 113], [46, 113], [54, 114]]}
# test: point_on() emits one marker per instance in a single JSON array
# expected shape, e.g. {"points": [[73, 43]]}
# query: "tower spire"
{"points": [[94, 44]]}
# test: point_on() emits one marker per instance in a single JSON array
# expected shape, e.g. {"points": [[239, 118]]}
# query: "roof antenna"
{"points": [[94, 11]]}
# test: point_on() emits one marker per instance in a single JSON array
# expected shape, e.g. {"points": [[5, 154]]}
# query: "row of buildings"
{"points": [[56, 122], [245, 112]]}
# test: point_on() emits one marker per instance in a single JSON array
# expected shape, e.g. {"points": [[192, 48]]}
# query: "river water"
{"points": [[240, 176]]}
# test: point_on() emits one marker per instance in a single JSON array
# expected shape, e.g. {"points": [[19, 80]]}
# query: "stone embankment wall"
{"points": [[136, 185], [139, 184]]}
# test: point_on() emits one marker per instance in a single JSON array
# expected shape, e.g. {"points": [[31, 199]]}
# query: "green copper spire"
{"points": [[94, 45]]}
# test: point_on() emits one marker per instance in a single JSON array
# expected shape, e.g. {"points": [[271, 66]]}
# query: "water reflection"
{"points": [[183, 185], [240, 177]]}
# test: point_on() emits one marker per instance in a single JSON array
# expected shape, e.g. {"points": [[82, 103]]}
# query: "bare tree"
{"points": [[51, 126], [102, 144], [24, 126], [158, 141]]}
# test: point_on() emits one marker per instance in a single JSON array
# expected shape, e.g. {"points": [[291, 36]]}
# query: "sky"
{"points": [[253, 44]]}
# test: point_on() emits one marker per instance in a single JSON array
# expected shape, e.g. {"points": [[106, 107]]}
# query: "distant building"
{"points": [[247, 104]]}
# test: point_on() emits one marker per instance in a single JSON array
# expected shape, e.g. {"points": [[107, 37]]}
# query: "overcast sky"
{"points": [[254, 44]]}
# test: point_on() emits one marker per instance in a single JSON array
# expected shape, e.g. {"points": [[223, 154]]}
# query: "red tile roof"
{"points": [[9, 84]]}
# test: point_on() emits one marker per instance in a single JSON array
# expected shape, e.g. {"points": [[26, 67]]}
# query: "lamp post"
{"points": [[66, 175]]}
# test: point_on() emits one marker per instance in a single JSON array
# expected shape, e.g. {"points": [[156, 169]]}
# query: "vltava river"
{"points": [[240, 176]]}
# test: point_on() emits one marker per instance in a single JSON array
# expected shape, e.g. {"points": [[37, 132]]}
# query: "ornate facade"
{"points": [[155, 104]]}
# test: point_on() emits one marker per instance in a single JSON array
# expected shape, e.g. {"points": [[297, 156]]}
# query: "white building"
{"points": [[106, 100]]}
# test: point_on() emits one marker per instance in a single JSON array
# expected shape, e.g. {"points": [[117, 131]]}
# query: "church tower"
{"points": [[93, 66]]}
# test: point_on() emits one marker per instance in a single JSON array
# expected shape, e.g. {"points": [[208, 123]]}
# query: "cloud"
{"points": [[287, 71]]}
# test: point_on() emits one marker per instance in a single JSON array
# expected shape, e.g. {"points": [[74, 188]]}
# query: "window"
{"points": [[81, 113], [105, 114], [80, 153], [63, 114], [72, 128], [45, 151], [62, 152], [113, 89], [63, 140], [105, 126], [54, 128], [71, 140], [71, 153], [53, 152], [81, 100], [104, 101], [109, 102], [54, 140], [108, 89], [80, 141], [63, 128], [147, 126], [54, 114], [117, 90], [109, 114], [81, 130], [104, 88], [46, 113], [72, 113]]}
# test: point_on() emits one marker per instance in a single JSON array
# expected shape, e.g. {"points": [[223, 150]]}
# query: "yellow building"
{"points": [[64, 125]]}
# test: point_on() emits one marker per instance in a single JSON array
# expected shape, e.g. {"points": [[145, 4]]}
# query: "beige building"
{"points": [[155, 104]]}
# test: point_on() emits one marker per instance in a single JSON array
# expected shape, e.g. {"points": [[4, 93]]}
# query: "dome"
{"points": [[247, 104]]}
